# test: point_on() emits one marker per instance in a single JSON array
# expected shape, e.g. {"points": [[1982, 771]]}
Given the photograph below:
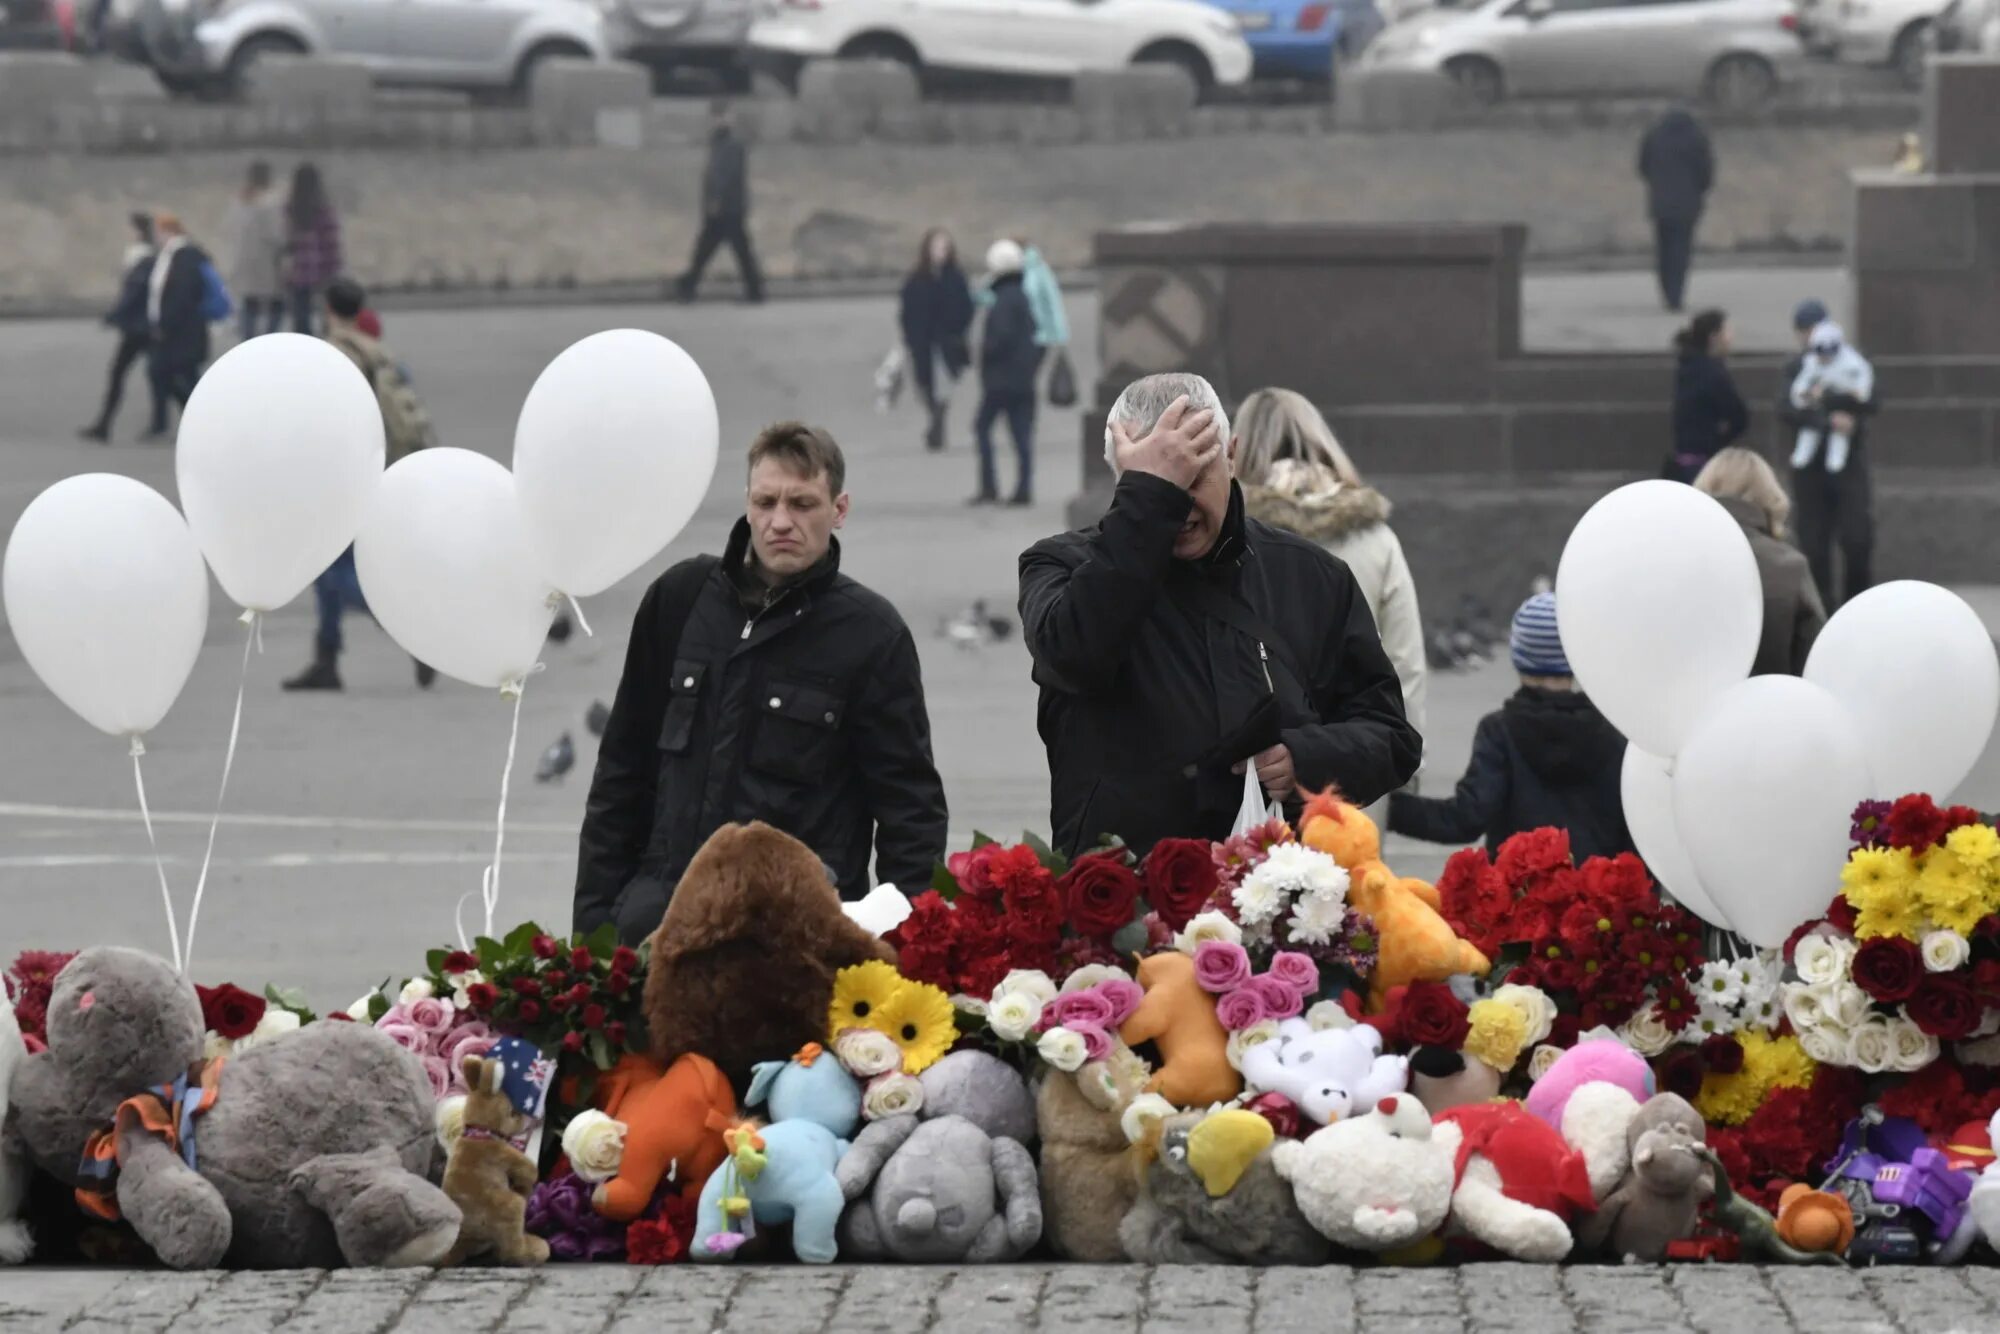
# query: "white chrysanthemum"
{"points": [[1317, 921], [1718, 986], [1257, 901], [1210, 925], [1710, 1020], [1028, 981], [1291, 872], [1763, 1012]]}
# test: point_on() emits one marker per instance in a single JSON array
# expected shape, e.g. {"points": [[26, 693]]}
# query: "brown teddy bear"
{"points": [[1089, 1168], [488, 1178], [743, 963]]}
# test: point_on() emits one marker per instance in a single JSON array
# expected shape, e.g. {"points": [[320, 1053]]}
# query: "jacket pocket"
{"points": [[683, 704], [798, 733]]}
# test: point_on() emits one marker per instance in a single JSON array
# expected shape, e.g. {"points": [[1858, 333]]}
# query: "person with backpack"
{"points": [[184, 295], [406, 428], [135, 333]]}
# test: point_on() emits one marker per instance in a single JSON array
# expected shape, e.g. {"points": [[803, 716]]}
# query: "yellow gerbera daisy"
{"points": [[1977, 845], [920, 1020], [1871, 872], [860, 995]]}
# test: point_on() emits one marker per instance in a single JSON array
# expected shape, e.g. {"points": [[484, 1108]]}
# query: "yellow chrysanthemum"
{"points": [[1962, 916], [1499, 1031], [1779, 1062], [1768, 1063], [860, 995], [1893, 915], [920, 1019], [1946, 877], [1872, 872], [1977, 845]]}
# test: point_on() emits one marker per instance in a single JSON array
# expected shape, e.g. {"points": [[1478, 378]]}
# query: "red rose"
{"points": [[545, 947], [1180, 879], [1841, 916], [526, 986], [579, 993], [1429, 1015], [592, 1017], [1527, 858], [530, 1012], [652, 1241], [1565, 1031], [581, 960], [229, 1011], [973, 871], [461, 961], [1943, 1006], [555, 979], [1916, 823], [1986, 979], [615, 1030], [1099, 893], [338, 1017], [572, 1042], [1681, 1072], [1280, 1111], [1888, 967], [624, 959], [618, 984], [483, 995], [561, 1004], [1723, 1053]]}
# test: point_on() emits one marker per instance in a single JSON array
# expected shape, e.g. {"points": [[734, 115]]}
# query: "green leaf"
{"points": [[521, 939], [291, 999], [492, 954], [980, 840], [944, 882], [434, 962], [378, 1005], [600, 1051], [602, 941], [1056, 863]]}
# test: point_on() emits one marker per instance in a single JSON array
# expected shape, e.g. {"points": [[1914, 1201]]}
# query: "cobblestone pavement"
{"points": [[1006, 1299]]}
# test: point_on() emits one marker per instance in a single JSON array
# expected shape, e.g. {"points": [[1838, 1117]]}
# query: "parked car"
{"points": [[37, 25], [485, 46], [668, 36], [1969, 27], [1736, 53], [1016, 38], [1896, 33], [1303, 39]]}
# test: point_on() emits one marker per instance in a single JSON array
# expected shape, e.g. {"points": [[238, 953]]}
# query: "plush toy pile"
{"points": [[1268, 1051]]}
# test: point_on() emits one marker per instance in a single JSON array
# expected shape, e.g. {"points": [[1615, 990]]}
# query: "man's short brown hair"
{"points": [[807, 451]]}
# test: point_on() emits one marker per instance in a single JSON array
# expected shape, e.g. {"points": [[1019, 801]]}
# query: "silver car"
{"points": [[668, 36], [1736, 53]]}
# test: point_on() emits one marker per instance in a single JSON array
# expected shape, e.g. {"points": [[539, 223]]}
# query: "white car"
{"points": [[1020, 38], [1897, 33]]}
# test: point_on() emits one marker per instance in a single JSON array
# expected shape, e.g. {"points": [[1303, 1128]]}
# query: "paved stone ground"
{"points": [[1012, 1299]]}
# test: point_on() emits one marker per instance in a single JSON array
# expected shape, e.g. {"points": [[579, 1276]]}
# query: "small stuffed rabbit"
{"points": [[488, 1178]]}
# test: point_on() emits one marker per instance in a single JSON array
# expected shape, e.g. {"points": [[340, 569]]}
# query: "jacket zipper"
{"points": [[1264, 661], [771, 599]]}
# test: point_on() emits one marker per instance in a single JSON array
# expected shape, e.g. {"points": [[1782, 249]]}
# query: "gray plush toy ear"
{"points": [[762, 1076]]}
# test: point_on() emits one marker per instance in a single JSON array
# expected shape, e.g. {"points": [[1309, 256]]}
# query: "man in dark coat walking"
{"points": [[1679, 169], [1179, 641], [1008, 361], [177, 314], [725, 210], [763, 685]]}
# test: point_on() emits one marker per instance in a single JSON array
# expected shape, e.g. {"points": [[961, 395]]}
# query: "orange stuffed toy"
{"points": [[674, 1122], [1179, 1017], [1415, 944]]}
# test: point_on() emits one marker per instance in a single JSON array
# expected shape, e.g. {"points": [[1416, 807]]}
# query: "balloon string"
{"points": [[458, 919], [489, 885], [251, 639], [146, 814], [556, 600]]}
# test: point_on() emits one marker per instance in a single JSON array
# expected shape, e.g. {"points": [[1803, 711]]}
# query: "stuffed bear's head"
{"points": [[983, 1089], [812, 1086], [1330, 1073], [1664, 1137], [1378, 1182], [749, 882], [1340, 830], [1207, 1153], [120, 1021], [936, 1194]]}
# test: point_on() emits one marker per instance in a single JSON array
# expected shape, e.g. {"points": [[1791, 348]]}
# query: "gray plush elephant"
{"points": [[313, 1154], [938, 1190]]}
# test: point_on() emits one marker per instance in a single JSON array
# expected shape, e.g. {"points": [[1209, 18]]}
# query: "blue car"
{"points": [[1300, 39]]}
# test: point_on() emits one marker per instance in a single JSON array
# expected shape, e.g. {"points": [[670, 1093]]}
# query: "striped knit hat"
{"points": [[1535, 644]]}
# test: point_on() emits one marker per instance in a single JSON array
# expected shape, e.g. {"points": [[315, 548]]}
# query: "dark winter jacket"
{"points": [[802, 707], [1678, 165], [1157, 675], [1793, 614], [1796, 419], [1008, 355], [1546, 757], [936, 312], [725, 185], [180, 334], [1709, 414], [128, 314]]}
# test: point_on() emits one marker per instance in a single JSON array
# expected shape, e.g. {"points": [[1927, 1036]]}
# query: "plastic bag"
{"points": [[889, 378], [1255, 810], [1062, 382]]}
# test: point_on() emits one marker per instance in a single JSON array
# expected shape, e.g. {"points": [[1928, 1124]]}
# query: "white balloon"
{"points": [[1660, 608], [612, 456], [1916, 667], [1763, 793], [1647, 785], [279, 450], [444, 565], [108, 599]]}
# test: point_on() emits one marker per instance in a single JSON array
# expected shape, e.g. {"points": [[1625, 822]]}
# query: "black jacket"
{"points": [[1709, 413], [1008, 355], [1158, 674], [1678, 165], [128, 314], [1544, 758], [725, 184], [806, 712], [180, 334], [1797, 419], [935, 313]]}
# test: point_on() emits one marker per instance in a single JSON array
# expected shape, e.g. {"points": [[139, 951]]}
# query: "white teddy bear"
{"points": [[16, 1243], [1330, 1073], [1984, 1205]]}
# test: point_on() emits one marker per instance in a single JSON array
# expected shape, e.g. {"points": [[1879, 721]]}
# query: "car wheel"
{"points": [[1741, 83], [254, 49], [524, 73], [882, 46], [1913, 49], [1478, 78], [1183, 58]]}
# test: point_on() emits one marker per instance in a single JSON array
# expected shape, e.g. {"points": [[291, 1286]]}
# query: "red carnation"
{"points": [[1529, 919], [615, 1030], [652, 1241], [1943, 1006], [546, 947], [1888, 968], [1526, 859], [461, 961], [1915, 822], [1561, 972], [624, 959], [581, 960], [1476, 901], [1180, 878], [530, 1012], [572, 1041], [1723, 1053], [1957, 817], [592, 1017], [483, 995], [1034, 908], [1099, 893], [229, 1011], [1841, 915], [1429, 1015], [1620, 882], [979, 977]]}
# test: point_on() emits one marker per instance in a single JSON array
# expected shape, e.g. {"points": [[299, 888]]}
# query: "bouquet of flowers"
{"points": [[1289, 898], [31, 981]]}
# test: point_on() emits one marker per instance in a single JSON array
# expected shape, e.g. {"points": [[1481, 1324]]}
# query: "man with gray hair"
{"points": [[1179, 641]]}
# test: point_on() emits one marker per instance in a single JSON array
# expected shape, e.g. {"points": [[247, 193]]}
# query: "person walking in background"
{"points": [[1827, 402], [725, 210], [1296, 477], [1709, 414], [135, 334], [1008, 360], [1747, 487], [1679, 169], [1545, 757], [936, 313], [312, 244], [256, 247], [178, 309], [1045, 297]]}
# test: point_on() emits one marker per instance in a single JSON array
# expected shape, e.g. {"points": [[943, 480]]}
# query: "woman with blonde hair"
{"points": [[1295, 476], [1748, 488]]}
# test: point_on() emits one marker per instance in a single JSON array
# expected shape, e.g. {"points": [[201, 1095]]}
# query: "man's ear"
{"points": [[840, 504]]}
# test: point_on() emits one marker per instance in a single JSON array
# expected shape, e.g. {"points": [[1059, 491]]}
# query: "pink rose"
{"points": [[1079, 1009], [1281, 1000], [1124, 996], [1096, 1042], [440, 1076], [466, 1040], [1241, 1008], [432, 1015], [405, 1034], [1220, 966], [1296, 970]]}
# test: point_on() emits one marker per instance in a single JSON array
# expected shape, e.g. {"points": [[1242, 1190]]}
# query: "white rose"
{"points": [[459, 983], [867, 1052], [1945, 951], [595, 1145], [1871, 1045], [451, 1121], [414, 990], [1264, 1030], [1804, 1006], [1063, 1049], [1146, 1107], [893, 1094], [1014, 1015], [1848, 1006], [1646, 1032], [1534, 1005], [1822, 960], [1543, 1061], [1210, 925], [1328, 1014], [275, 1024], [358, 1011], [1089, 976], [1912, 1049], [1825, 1043], [1028, 982], [971, 1005]]}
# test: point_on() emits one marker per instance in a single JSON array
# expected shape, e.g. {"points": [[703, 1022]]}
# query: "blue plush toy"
{"points": [[784, 1172]]}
